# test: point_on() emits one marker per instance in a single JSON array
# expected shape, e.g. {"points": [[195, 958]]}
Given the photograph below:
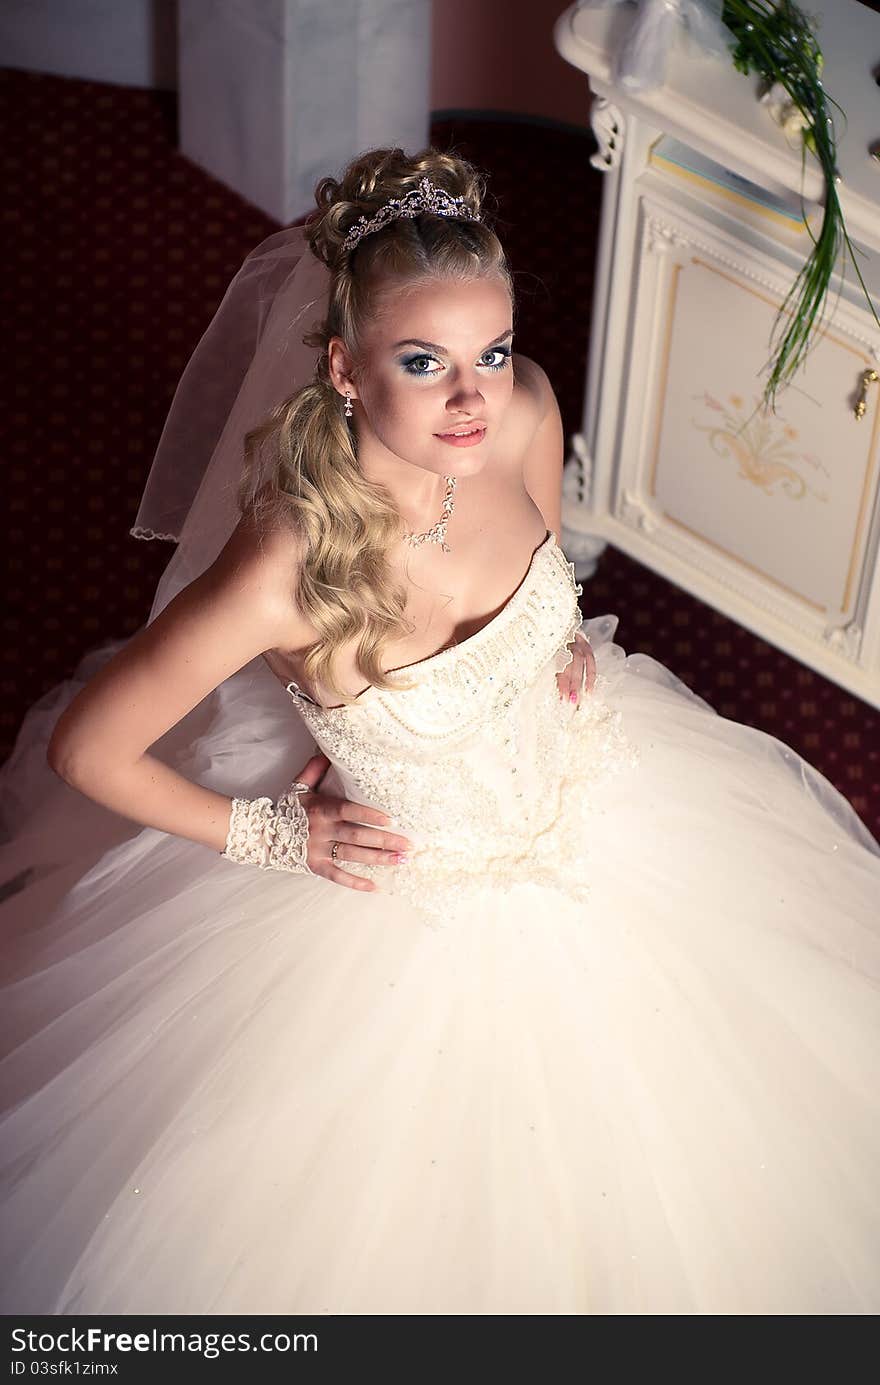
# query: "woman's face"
{"points": [[438, 358]]}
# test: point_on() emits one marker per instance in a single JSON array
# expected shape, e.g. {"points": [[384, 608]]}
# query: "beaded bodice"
{"points": [[481, 764]]}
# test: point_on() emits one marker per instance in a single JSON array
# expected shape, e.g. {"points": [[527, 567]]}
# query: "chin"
{"points": [[462, 463]]}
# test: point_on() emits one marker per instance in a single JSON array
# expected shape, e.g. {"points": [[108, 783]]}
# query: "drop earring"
{"points": [[348, 409]]}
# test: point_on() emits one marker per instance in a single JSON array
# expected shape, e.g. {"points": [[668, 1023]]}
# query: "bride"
{"points": [[508, 977]]}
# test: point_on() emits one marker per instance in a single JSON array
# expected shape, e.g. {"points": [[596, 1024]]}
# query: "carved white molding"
{"points": [[845, 640], [633, 511], [661, 235], [577, 474], [582, 547], [608, 124]]}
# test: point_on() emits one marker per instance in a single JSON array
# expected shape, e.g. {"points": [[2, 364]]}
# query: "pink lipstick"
{"points": [[469, 439]]}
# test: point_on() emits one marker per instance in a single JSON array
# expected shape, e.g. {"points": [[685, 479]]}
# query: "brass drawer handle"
{"points": [[868, 376]]}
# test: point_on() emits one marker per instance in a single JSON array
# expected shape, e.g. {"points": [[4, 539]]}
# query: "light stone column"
{"points": [[274, 94]]}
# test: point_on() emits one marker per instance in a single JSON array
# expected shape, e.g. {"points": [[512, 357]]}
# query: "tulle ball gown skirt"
{"points": [[228, 1090]]}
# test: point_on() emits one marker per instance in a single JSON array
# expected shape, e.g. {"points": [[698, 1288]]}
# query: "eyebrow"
{"points": [[432, 345]]}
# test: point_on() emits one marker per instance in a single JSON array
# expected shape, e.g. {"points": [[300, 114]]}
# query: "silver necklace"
{"points": [[437, 532]]}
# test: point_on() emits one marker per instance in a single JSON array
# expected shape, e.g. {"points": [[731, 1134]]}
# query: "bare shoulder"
{"points": [[262, 557], [226, 617], [265, 544], [533, 403], [541, 456], [535, 384]]}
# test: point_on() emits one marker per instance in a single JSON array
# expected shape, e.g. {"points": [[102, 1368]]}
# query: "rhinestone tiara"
{"points": [[427, 197]]}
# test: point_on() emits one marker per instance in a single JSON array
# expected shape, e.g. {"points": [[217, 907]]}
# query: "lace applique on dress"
{"points": [[481, 764]]}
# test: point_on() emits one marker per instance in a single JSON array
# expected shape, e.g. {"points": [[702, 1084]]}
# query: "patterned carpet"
{"points": [[118, 252]]}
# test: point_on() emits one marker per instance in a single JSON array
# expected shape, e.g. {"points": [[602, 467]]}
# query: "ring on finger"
{"points": [[333, 851]]}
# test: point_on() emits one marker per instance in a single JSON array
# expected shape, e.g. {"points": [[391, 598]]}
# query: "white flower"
{"points": [[795, 121], [775, 98], [783, 110]]}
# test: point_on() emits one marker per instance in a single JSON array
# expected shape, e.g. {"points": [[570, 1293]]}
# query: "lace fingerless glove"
{"points": [[273, 836]]}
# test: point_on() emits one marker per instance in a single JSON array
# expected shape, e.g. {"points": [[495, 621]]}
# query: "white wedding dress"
{"points": [[607, 1044]]}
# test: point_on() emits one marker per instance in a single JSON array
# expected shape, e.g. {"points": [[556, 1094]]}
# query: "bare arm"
{"points": [[542, 467], [542, 473], [237, 609]]}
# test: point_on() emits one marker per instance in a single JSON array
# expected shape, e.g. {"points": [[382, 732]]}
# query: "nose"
{"points": [[467, 396]]}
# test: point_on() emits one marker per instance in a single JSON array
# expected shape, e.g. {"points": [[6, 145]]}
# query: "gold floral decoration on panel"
{"points": [[762, 448]]}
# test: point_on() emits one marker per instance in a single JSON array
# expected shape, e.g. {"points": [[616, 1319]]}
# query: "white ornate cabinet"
{"points": [[773, 519]]}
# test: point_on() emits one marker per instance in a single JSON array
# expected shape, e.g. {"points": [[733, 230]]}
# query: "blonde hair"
{"points": [[313, 481]]}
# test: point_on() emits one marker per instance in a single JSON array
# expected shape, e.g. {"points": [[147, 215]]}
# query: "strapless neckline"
{"points": [[509, 607]]}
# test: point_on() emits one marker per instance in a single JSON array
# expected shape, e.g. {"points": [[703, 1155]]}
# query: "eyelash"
{"points": [[494, 350]]}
